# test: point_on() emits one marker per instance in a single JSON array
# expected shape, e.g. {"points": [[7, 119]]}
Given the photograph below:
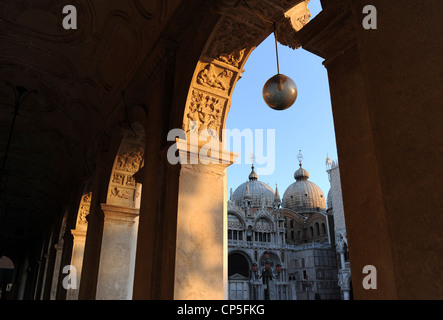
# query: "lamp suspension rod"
{"points": [[276, 48]]}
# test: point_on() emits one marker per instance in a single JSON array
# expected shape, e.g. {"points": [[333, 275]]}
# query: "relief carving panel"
{"points": [[231, 42], [215, 77], [204, 112], [83, 212]]}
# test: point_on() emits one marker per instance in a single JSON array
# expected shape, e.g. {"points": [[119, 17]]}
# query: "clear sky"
{"points": [[307, 126]]}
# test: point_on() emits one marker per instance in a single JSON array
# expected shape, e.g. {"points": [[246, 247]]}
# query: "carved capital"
{"points": [[294, 20]]}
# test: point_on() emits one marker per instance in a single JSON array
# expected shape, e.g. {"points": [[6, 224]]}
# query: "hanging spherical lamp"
{"points": [[280, 91]]}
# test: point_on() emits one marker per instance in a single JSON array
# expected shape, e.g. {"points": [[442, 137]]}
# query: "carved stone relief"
{"points": [[205, 111], [130, 161], [231, 41], [130, 158], [238, 31], [215, 77], [121, 193], [294, 20], [85, 204]]}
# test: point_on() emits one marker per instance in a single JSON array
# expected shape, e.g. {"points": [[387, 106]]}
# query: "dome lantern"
{"points": [[253, 176]]}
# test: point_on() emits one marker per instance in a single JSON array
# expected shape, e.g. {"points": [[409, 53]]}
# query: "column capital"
{"points": [[196, 152], [119, 214], [79, 234]]}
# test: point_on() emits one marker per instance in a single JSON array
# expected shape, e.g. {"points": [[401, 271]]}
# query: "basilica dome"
{"points": [[256, 191], [303, 195]]}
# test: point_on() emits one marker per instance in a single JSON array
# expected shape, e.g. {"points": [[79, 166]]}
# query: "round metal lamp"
{"points": [[280, 91]]}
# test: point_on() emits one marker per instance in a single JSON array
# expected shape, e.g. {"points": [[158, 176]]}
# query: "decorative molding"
{"points": [[294, 20], [119, 213]]}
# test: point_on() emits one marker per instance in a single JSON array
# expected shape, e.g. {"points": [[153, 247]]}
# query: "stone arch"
{"points": [[273, 258], [246, 258], [240, 28], [264, 218], [211, 66], [240, 224]]}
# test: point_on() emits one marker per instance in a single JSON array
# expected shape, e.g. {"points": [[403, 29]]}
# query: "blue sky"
{"points": [[307, 125]]}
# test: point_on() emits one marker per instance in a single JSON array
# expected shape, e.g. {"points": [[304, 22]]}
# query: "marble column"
{"points": [[201, 250], [78, 250], [117, 255]]}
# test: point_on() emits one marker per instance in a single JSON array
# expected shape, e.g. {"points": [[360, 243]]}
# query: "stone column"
{"points": [[79, 240], [58, 257], [201, 251], [117, 253], [78, 250], [333, 36]]}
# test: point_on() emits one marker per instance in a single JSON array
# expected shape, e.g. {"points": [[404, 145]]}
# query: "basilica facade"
{"points": [[284, 248]]}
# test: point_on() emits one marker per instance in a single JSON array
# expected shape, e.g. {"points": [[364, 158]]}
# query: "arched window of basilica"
{"points": [[263, 229], [235, 228]]}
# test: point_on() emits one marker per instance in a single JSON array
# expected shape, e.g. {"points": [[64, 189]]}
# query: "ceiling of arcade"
{"points": [[79, 75]]}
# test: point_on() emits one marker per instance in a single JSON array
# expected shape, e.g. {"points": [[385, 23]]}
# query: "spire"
{"points": [[328, 162], [247, 192], [277, 195]]}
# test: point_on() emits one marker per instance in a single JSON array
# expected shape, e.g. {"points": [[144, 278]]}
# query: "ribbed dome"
{"points": [[303, 195], [255, 190]]}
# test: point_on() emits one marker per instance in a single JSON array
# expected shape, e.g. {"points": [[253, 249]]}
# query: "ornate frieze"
{"points": [[83, 211]]}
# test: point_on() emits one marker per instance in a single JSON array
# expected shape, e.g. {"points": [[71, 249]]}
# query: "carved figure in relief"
{"points": [[121, 194], [130, 181], [84, 211], [130, 161], [204, 111], [87, 198], [231, 42], [118, 178], [215, 77]]}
